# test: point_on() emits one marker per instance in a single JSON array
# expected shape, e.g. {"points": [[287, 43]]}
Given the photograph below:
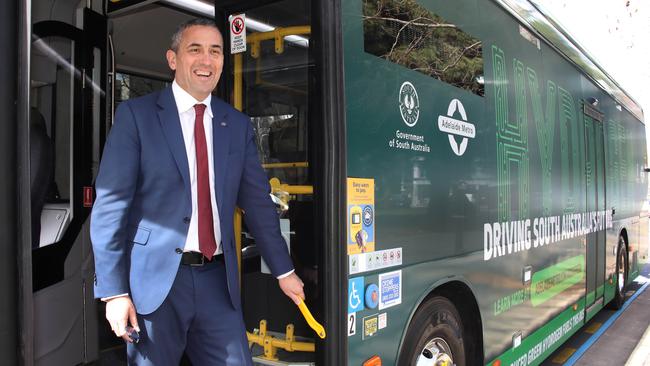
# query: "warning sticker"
{"points": [[361, 215], [237, 33], [378, 259]]}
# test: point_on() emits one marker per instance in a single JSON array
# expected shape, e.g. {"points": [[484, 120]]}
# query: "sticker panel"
{"points": [[361, 215], [390, 289], [380, 259]]}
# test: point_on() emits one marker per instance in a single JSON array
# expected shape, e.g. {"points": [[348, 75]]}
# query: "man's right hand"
{"points": [[119, 311]]}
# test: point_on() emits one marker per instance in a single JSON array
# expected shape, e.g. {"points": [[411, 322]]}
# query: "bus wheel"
{"points": [[435, 336], [621, 274]]}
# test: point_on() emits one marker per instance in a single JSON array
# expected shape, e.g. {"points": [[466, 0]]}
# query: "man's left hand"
{"points": [[292, 287]]}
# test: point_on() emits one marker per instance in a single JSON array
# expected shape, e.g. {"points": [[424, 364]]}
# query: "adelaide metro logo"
{"points": [[454, 127]]}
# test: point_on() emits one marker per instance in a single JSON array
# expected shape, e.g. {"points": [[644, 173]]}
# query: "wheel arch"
{"points": [[457, 290], [623, 232]]}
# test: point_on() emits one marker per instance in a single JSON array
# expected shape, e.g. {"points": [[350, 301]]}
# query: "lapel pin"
{"points": [[224, 124]]}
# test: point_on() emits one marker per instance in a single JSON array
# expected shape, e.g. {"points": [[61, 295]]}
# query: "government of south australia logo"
{"points": [[409, 104], [457, 128]]}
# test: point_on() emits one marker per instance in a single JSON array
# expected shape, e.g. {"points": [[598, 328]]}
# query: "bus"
{"points": [[459, 183]]}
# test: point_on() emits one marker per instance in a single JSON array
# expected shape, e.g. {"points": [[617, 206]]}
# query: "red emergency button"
{"points": [[88, 196]]}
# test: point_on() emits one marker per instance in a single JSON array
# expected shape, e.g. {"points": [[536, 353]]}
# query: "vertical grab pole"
{"points": [[238, 104]]}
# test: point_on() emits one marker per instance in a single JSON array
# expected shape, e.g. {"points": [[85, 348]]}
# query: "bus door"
{"points": [[595, 188], [66, 121], [271, 77]]}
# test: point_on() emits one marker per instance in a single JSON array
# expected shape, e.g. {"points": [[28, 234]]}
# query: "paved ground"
{"points": [[618, 342], [625, 342]]}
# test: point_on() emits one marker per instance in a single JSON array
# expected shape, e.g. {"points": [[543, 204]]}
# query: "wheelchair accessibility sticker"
{"points": [[361, 215], [355, 294]]}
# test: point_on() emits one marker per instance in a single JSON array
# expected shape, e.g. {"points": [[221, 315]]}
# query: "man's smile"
{"points": [[203, 73]]}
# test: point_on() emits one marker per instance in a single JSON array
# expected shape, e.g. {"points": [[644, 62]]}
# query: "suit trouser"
{"points": [[196, 317]]}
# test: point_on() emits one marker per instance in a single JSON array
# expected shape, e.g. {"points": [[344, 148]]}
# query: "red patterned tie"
{"points": [[207, 244]]}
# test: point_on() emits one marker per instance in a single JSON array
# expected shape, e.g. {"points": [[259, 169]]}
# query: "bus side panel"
{"points": [[428, 201], [538, 146], [509, 210]]}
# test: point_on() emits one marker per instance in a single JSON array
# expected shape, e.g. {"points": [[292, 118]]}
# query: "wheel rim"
{"points": [[621, 273], [435, 353]]}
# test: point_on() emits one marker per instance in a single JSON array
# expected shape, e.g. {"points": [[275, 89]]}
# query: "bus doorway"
{"points": [[77, 82], [273, 80], [595, 180]]}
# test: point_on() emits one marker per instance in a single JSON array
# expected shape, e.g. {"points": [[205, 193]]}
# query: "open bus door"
{"points": [[285, 78], [595, 180], [274, 75], [293, 94], [66, 129]]}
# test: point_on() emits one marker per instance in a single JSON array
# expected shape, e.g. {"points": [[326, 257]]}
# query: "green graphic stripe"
{"points": [[512, 139], [545, 127], [551, 281], [539, 345], [571, 151]]}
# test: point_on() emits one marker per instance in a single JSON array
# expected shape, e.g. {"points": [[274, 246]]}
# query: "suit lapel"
{"points": [[220, 147], [171, 127]]}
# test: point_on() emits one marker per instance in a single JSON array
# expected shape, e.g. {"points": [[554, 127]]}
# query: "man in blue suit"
{"points": [[175, 165]]}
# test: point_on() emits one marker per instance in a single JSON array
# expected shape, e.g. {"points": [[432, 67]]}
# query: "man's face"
{"points": [[198, 60]]}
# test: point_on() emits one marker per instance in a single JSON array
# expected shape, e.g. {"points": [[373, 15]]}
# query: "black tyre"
{"points": [[620, 277], [435, 334]]}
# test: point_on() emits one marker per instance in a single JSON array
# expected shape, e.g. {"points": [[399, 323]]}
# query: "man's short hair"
{"points": [[176, 37]]}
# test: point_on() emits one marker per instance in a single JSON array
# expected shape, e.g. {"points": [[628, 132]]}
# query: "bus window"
{"points": [[129, 86], [50, 127], [408, 34]]}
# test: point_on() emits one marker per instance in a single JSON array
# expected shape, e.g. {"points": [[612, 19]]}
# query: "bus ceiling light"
{"points": [[207, 10], [373, 361]]}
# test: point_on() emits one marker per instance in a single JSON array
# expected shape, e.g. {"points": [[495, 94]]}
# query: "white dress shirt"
{"points": [[185, 105], [186, 113]]}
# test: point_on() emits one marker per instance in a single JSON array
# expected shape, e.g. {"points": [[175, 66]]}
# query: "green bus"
{"points": [[459, 183]]}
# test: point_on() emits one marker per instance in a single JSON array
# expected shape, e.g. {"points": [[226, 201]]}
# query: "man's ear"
{"points": [[171, 59]]}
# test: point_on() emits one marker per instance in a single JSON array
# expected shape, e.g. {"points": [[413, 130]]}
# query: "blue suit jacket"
{"points": [[141, 214]]}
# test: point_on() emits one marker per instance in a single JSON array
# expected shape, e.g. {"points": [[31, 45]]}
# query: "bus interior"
{"points": [[89, 56]]}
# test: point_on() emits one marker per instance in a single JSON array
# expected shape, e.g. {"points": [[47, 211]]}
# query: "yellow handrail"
{"points": [[276, 186], [271, 344], [277, 34], [300, 164]]}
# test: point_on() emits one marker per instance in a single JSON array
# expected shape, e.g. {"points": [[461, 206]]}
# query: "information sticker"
{"points": [[361, 215], [390, 289]]}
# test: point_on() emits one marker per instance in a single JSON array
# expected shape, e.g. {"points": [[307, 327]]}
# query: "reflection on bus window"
{"points": [[403, 32], [276, 96], [51, 119], [131, 86]]}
